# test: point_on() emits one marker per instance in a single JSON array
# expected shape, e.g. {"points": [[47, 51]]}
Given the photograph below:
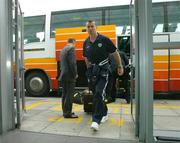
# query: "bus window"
{"points": [[128, 30], [73, 19], [178, 27], [34, 29], [119, 17], [158, 28], [172, 27], [158, 17], [119, 30], [173, 16]]}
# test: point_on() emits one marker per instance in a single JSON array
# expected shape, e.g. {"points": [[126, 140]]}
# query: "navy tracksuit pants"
{"points": [[99, 105]]}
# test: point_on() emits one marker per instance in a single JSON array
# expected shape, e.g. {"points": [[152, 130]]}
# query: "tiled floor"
{"points": [[167, 115], [18, 136], [43, 122], [44, 115]]}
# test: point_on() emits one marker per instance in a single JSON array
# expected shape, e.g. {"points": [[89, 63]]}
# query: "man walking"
{"points": [[96, 50]]}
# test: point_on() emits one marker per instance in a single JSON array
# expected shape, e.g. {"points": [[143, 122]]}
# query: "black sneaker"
{"points": [[71, 116]]}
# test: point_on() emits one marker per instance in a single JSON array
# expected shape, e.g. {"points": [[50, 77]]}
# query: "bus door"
{"points": [[132, 48], [19, 64], [166, 63]]}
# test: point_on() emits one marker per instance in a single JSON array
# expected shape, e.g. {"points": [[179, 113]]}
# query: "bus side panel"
{"points": [[48, 65], [160, 86], [160, 65], [174, 84], [54, 83], [166, 70]]}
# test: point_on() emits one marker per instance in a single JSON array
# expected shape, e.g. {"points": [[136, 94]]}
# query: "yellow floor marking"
{"points": [[52, 102], [57, 108], [55, 119], [89, 122], [120, 122], [77, 108], [112, 121], [34, 105], [79, 120], [64, 120], [126, 111], [80, 107], [118, 105], [116, 110], [166, 106]]}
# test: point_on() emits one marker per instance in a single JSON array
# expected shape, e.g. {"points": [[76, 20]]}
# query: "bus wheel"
{"points": [[37, 84]]}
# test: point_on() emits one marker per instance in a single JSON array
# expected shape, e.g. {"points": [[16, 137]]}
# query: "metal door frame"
{"points": [[7, 115], [19, 63], [144, 70]]}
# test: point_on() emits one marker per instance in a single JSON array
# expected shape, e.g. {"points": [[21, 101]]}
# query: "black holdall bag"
{"points": [[88, 101], [84, 98], [78, 98]]}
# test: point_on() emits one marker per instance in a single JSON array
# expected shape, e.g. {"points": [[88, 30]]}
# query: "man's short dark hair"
{"points": [[90, 21], [71, 40]]}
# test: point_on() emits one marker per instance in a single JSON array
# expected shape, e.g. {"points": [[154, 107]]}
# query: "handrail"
{"points": [[166, 45]]}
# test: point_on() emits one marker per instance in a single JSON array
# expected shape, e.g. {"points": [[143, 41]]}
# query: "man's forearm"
{"points": [[87, 63], [117, 58]]}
